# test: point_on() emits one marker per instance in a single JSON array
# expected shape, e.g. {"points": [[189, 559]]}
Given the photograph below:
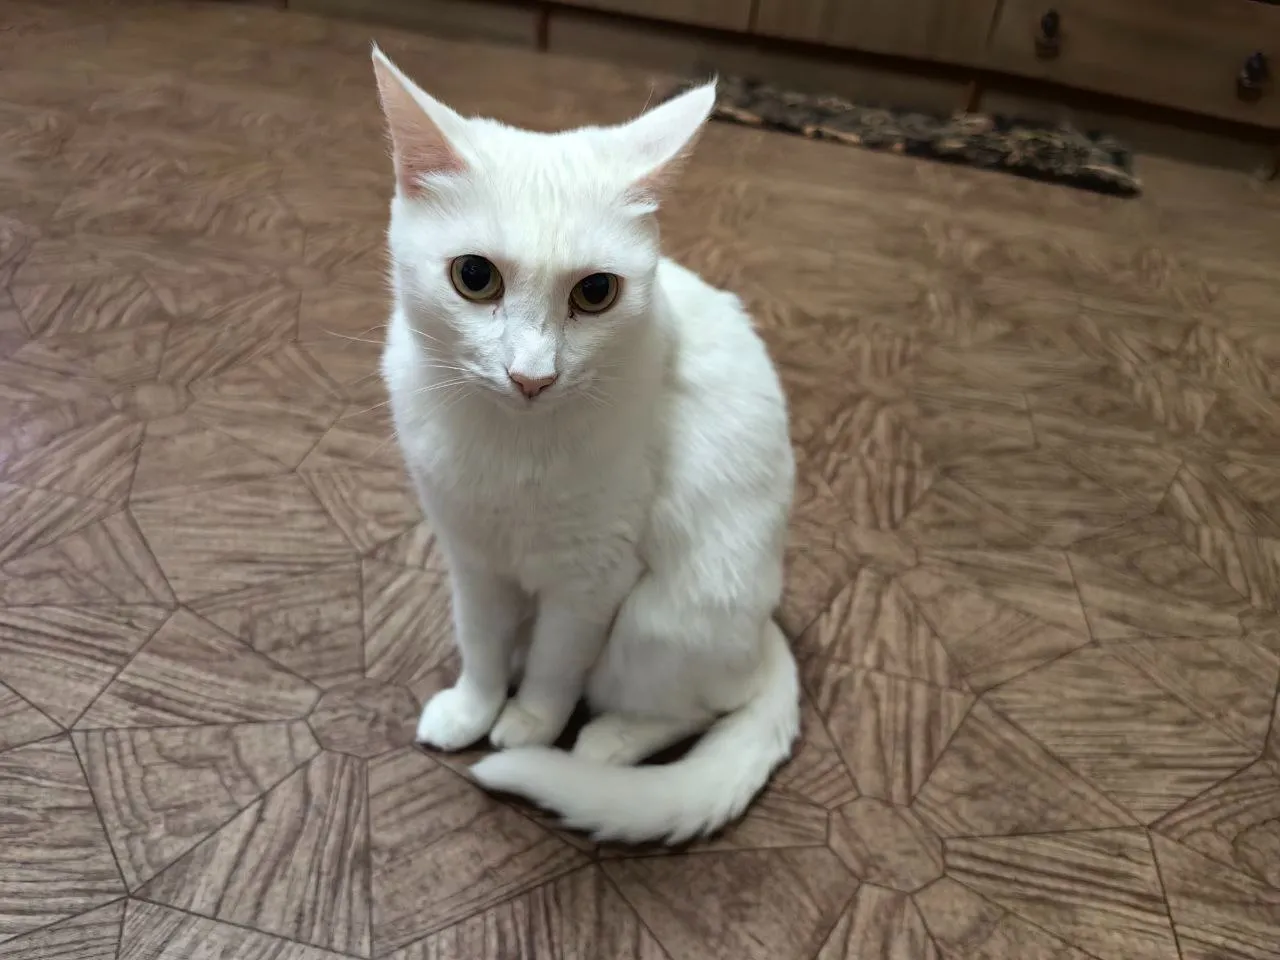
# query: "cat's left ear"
{"points": [[659, 141]]}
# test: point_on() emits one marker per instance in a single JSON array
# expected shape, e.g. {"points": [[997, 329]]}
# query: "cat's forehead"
{"points": [[567, 166], [552, 240], [555, 207]]}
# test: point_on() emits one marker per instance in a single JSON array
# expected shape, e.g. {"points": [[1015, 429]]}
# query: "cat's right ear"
{"points": [[424, 132]]}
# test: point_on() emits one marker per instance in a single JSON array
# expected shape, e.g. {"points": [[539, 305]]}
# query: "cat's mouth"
{"points": [[513, 399]]}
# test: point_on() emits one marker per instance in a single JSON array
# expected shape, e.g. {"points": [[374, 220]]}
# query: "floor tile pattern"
{"points": [[1033, 575]]}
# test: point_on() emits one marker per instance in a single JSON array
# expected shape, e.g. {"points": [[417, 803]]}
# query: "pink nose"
{"points": [[531, 386]]}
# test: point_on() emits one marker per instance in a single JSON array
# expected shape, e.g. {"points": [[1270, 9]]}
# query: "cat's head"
{"points": [[520, 258]]}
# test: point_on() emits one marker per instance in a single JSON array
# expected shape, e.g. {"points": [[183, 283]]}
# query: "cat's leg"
{"points": [[565, 643], [623, 739], [668, 672], [568, 634], [487, 611]]}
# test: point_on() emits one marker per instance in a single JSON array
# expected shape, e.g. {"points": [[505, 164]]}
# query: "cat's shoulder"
{"points": [[712, 325], [684, 289]]}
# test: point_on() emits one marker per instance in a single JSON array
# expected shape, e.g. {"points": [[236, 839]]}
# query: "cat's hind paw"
{"points": [[606, 741], [519, 726], [622, 740], [455, 719]]}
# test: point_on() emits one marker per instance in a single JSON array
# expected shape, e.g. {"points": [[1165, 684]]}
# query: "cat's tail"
{"points": [[696, 795]]}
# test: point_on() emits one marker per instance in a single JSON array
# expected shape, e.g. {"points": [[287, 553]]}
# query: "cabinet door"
{"points": [[1181, 53], [952, 31], [725, 14]]}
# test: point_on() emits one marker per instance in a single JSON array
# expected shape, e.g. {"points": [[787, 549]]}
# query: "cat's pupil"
{"points": [[475, 274], [595, 288]]}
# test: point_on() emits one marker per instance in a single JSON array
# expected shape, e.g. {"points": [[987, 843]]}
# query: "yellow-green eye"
{"points": [[475, 278], [596, 293]]}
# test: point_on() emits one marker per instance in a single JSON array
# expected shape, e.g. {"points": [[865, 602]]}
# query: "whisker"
{"points": [[377, 450], [442, 385], [359, 338], [442, 404], [600, 400], [426, 336], [450, 400], [357, 413]]}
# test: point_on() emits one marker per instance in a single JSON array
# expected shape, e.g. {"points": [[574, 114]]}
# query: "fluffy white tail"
{"points": [[696, 795]]}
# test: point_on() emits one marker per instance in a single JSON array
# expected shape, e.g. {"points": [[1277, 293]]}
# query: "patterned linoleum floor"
{"points": [[1034, 575]]}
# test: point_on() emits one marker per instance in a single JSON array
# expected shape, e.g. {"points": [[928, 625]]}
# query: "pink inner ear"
{"points": [[421, 148], [420, 157]]}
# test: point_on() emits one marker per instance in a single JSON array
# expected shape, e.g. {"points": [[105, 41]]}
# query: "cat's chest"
{"points": [[556, 521]]}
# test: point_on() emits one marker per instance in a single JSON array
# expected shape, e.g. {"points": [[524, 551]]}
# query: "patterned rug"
{"points": [[1058, 153]]}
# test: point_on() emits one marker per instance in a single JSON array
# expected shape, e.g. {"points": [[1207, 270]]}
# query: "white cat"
{"points": [[600, 442]]}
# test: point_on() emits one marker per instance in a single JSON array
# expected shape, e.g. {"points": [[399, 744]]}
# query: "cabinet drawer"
{"points": [[953, 31], [725, 14], [1178, 53]]}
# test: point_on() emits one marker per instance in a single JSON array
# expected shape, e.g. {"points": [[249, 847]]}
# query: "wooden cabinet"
{"points": [[1179, 53], [1185, 54], [953, 31], [725, 14]]}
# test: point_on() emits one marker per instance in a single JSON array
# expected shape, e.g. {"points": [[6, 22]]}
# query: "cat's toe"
{"points": [[519, 726], [455, 719]]}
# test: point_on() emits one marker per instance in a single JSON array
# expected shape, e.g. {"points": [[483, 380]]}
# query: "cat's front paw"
{"points": [[521, 726], [456, 718]]}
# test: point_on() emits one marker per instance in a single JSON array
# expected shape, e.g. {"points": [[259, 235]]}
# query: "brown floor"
{"points": [[1034, 576]]}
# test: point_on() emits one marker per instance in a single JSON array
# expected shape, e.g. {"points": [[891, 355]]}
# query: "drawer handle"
{"points": [[1253, 76], [1049, 35]]}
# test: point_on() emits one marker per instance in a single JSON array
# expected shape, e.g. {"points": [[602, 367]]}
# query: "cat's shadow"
{"points": [[579, 719]]}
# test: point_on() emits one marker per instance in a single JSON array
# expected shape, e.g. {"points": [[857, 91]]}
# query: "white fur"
{"points": [[638, 508]]}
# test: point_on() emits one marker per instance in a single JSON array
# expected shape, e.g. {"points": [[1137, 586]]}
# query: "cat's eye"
{"points": [[596, 293], [475, 278]]}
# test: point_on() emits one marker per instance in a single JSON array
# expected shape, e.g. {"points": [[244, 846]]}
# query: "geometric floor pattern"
{"points": [[1033, 578]]}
